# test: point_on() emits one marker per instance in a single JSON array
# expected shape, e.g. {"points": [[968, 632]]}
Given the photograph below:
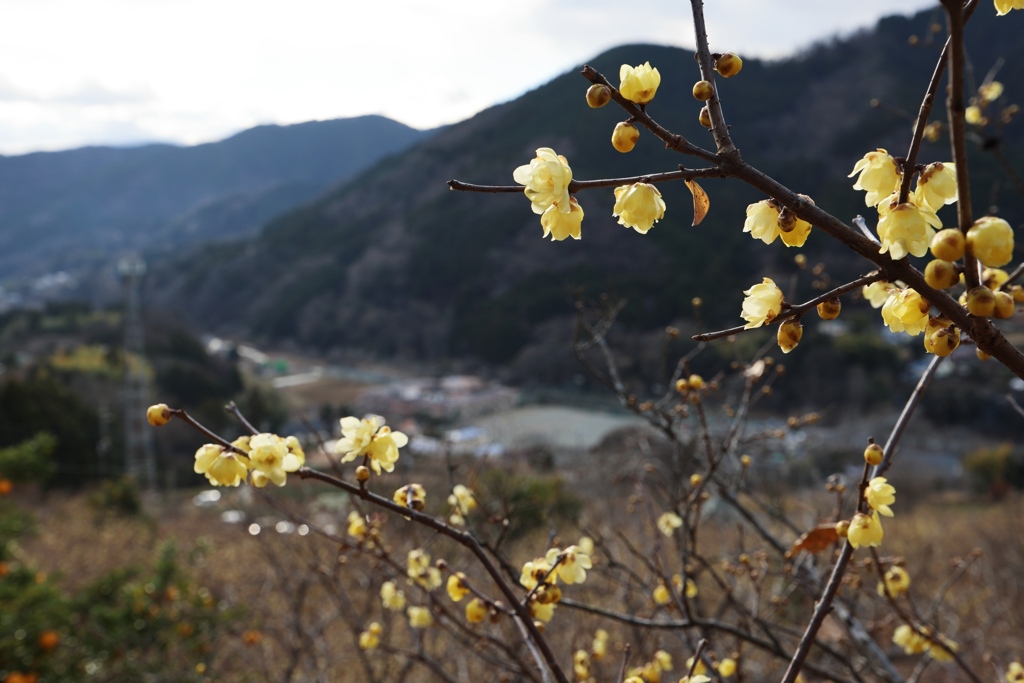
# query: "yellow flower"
{"points": [[419, 617], [897, 582], [476, 611], [370, 638], [462, 499], [383, 450], [639, 84], [762, 304], [1015, 673], [662, 595], [546, 178], [663, 660], [561, 223], [357, 525], [880, 495], [906, 229], [534, 572], [879, 176], [973, 115], [727, 667], [941, 649], [865, 530], [699, 669], [789, 335], [690, 589], [574, 565], [912, 642], [420, 571], [586, 544], [456, 587], [990, 239], [991, 91], [599, 648], [391, 597], [906, 311], [638, 206], [697, 678], [356, 437], [936, 186], [1004, 6], [762, 221], [412, 496], [877, 292], [581, 665], [221, 466], [269, 456], [542, 611], [669, 522]]}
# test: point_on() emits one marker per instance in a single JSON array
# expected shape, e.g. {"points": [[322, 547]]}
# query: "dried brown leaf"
{"points": [[701, 202]]}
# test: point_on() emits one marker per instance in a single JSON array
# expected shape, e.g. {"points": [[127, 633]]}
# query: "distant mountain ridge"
{"points": [[77, 209], [395, 264]]}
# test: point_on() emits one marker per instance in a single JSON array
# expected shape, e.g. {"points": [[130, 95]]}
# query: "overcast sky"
{"points": [[76, 72]]}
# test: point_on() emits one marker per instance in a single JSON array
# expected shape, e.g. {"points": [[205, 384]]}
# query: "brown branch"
{"points": [[719, 128], [795, 311], [578, 185], [957, 137], [462, 538]]}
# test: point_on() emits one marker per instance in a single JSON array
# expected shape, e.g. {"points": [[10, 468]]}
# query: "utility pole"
{"points": [[139, 453]]}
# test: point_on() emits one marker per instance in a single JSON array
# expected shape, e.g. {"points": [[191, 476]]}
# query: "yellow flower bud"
{"points": [[1003, 305], [695, 480], [704, 117], [598, 95], [993, 278], [745, 460], [1017, 292], [940, 274], [362, 474], [728, 65], [829, 310], [789, 335], [727, 667], [973, 116], [982, 356], [943, 341], [419, 617], [842, 528], [873, 454], [990, 239], [158, 415], [981, 302], [476, 611], [661, 595], [624, 137], [696, 382], [703, 91]]}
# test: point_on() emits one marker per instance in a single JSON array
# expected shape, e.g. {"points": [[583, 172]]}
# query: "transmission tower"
{"points": [[139, 454]]}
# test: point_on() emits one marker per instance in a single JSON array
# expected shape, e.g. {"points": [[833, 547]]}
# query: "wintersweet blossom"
{"points": [[895, 583], [639, 83], [668, 522], [476, 611], [906, 311], [370, 638], [456, 587], [912, 642], [412, 496], [1004, 6], [727, 667], [687, 588], [270, 459], [865, 530], [638, 206], [661, 594], [367, 438], [547, 179], [990, 91], [534, 572], [420, 571], [357, 527], [877, 292], [879, 176], [990, 239], [762, 221], [1015, 673], [936, 186], [906, 229], [762, 304], [560, 223], [880, 495], [221, 466], [573, 566], [542, 611], [462, 498], [419, 617], [392, 597]]}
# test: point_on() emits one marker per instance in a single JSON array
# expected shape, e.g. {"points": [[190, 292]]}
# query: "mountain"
{"points": [[77, 209], [395, 264]]}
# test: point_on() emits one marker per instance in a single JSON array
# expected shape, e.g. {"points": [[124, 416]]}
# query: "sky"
{"points": [[123, 72]]}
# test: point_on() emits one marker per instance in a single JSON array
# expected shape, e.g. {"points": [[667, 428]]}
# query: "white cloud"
{"points": [[195, 70]]}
